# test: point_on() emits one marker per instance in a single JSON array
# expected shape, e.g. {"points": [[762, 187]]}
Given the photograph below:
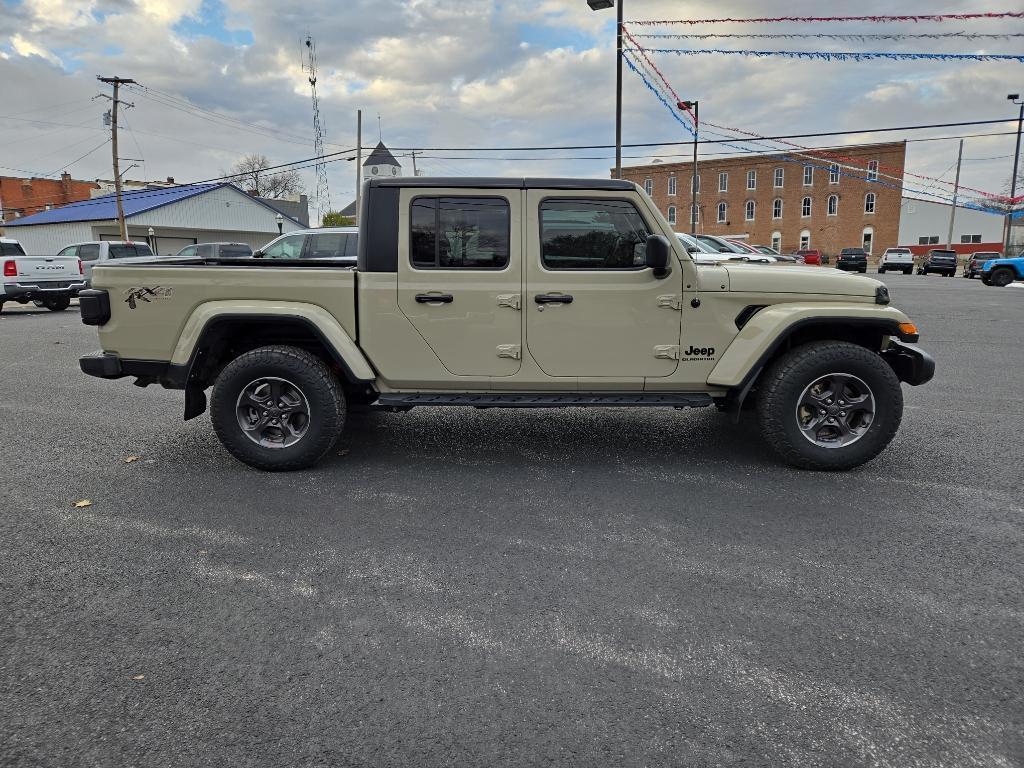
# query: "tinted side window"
{"points": [[287, 248], [204, 251], [141, 249], [459, 232], [122, 251], [592, 234], [89, 252], [327, 245], [235, 251]]}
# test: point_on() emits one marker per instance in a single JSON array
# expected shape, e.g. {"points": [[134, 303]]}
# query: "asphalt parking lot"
{"points": [[459, 587]]}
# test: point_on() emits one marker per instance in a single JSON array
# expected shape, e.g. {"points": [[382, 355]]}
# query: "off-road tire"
{"points": [[1001, 277], [783, 383], [315, 381]]}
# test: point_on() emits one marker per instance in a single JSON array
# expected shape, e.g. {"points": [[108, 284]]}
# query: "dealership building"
{"points": [[829, 199]]}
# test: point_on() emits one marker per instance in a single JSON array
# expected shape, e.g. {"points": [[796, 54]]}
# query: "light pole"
{"points": [[1016, 99], [152, 239], [600, 5], [693, 106], [280, 223]]}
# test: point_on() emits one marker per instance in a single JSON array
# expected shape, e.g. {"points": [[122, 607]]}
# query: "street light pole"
{"points": [[1015, 98], [693, 106], [280, 223], [600, 5]]}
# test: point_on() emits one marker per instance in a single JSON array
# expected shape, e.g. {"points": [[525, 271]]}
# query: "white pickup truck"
{"points": [[50, 280]]}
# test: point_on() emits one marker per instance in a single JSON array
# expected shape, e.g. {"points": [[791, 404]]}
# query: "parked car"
{"points": [[456, 309], [766, 249], [699, 252], [101, 251], [977, 260], [896, 260], [719, 244], [1002, 272], [50, 281], [216, 251], [336, 243], [810, 256], [750, 253], [938, 260], [852, 260]]}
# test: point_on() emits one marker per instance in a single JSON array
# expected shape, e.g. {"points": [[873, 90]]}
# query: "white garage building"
{"points": [[179, 216]]}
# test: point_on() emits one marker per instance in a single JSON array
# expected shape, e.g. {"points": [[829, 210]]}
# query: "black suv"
{"points": [[977, 260], [940, 261], [852, 260]]}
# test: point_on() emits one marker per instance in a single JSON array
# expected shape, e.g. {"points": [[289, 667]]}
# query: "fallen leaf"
{"points": [[130, 459], [83, 503], [344, 452], [138, 677]]}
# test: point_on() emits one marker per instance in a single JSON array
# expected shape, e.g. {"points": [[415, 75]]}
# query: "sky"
{"points": [[224, 78]]}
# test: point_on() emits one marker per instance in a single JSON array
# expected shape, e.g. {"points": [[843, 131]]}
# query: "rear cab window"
{"points": [[11, 249], [459, 233], [327, 245], [592, 234], [89, 251], [235, 251]]}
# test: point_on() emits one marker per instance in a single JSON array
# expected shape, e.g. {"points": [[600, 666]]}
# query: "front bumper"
{"points": [[910, 364], [41, 289]]}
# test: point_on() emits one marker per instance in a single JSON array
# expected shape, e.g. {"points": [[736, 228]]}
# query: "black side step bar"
{"points": [[549, 400]]}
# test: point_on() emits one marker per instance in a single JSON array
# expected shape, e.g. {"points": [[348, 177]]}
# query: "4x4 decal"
{"points": [[134, 295]]}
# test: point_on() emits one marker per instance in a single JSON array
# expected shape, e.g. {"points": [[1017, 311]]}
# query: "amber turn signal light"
{"points": [[908, 329]]}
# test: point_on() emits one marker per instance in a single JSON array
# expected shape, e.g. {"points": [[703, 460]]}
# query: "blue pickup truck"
{"points": [[1002, 272]]}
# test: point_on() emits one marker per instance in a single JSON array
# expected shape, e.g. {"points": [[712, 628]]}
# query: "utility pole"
{"points": [[116, 82], [414, 173], [956, 192], [1015, 98], [359, 161]]}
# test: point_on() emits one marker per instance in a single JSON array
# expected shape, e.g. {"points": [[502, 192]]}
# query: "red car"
{"points": [[810, 255]]}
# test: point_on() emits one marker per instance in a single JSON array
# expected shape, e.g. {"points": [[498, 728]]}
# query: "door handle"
{"points": [[434, 298], [552, 298]]}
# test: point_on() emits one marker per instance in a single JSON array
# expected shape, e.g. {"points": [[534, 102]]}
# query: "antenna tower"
{"points": [[323, 195]]}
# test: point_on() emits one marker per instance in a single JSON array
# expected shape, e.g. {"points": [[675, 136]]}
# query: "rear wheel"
{"points": [[908, 271], [1001, 277], [829, 405], [58, 304], [277, 408]]}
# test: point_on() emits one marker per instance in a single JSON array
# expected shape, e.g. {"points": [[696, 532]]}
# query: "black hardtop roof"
{"points": [[500, 182]]}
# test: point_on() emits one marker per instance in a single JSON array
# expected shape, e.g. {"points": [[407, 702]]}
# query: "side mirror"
{"points": [[657, 255], [258, 253]]}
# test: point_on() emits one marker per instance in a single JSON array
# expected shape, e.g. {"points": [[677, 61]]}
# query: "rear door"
{"points": [[459, 281], [592, 308]]}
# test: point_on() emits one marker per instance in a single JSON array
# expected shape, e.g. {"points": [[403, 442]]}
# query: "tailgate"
{"points": [[35, 268]]}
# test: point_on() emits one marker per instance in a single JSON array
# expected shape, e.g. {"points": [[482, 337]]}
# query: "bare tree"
{"points": [[253, 174]]}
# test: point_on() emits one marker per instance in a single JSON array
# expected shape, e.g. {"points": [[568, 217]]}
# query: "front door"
{"points": [[461, 283], [593, 308]]}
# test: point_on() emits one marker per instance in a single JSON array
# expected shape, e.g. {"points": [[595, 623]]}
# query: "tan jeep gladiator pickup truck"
{"points": [[498, 292]]}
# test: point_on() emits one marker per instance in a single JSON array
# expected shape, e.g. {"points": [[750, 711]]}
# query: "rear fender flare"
{"points": [[320, 322]]}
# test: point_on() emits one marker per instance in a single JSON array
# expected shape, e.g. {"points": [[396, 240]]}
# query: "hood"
{"points": [[767, 278]]}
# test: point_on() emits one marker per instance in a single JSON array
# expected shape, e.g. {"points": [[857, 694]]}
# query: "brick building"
{"points": [[787, 201], [22, 197]]}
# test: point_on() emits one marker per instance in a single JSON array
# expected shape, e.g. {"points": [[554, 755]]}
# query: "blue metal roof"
{"points": [[134, 202]]}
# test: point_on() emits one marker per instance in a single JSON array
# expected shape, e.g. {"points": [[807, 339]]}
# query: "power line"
{"points": [[878, 19]]}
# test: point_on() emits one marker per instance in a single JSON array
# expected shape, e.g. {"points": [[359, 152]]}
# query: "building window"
{"points": [[928, 240], [458, 233], [833, 205], [869, 202], [751, 179], [749, 210], [808, 175], [868, 239], [970, 238], [723, 212], [780, 177], [590, 233], [672, 185], [649, 186], [873, 170], [805, 239], [833, 173], [805, 207], [777, 241], [671, 214], [723, 182], [777, 208]]}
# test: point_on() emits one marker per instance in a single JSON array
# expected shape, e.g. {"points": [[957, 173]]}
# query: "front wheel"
{"points": [[58, 304], [1001, 277], [829, 405], [277, 408]]}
